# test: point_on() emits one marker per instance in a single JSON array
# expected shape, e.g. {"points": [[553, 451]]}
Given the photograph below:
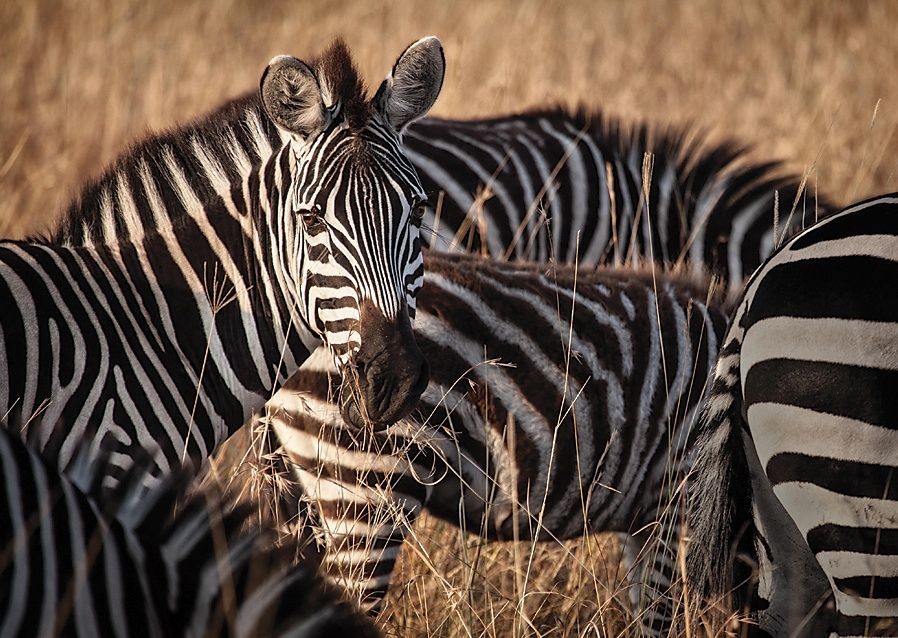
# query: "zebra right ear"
{"points": [[413, 84], [291, 97]]}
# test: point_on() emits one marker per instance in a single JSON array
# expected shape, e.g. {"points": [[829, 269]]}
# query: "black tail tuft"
{"points": [[719, 514]]}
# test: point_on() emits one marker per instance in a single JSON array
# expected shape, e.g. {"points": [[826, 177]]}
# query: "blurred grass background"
{"points": [[811, 83], [800, 80]]}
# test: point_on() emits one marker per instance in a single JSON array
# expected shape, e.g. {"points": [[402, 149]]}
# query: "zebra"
{"points": [[76, 564], [187, 299], [588, 171], [795, 448], [583, 433], [493, 182], [553, 184]]}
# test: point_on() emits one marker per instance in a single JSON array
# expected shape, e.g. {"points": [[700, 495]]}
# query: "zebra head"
{"points": [[352, 205]]}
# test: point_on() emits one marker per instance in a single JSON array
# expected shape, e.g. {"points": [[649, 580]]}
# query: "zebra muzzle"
{"points": [[387, 375]]}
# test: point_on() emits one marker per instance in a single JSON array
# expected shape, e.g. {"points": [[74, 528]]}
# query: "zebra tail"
{"points": [[719, 514]]}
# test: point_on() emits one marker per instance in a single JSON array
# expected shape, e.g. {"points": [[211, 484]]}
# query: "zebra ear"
{"points": [[413, 84], [291, 97]]}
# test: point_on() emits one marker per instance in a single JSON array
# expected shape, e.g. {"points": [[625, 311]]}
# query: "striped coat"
{"points": [[556, 185], [534, 186], [588, 177], [578, 425], [75, 564], [796, 450], [173, 302]]}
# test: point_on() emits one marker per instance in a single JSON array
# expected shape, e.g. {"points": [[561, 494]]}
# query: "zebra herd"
{"points": [[599, 350]]}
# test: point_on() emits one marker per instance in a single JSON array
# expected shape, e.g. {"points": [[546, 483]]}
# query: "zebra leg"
{"points": [[362, 527], [362, 503], [793, 591], [363, 490], [650, 561]]}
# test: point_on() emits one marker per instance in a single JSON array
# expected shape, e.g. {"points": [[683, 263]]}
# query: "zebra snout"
{"points": [[390, 371]]}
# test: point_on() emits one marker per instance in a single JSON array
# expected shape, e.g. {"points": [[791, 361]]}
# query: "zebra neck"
{"points": [[234, 325], [207, 196], [211, 172]]}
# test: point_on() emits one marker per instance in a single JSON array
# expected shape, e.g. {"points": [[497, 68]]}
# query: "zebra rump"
{"points": [[796, 445], [138, 562]]}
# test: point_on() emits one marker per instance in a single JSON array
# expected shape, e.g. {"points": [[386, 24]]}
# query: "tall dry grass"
{"points": [[800, 80], [806, 82]]}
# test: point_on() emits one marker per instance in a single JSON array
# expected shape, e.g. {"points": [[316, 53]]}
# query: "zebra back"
{"points": [[550, 184]]}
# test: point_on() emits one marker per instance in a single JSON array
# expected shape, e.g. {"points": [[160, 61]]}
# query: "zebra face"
{"points": [[352, 209]]}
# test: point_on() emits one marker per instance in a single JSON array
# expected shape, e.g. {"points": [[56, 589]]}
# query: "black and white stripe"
{"points": [[344, 174], [553, 179], [579, 429], [202, 268], [74, 564], [554, 185], [796, 451], [535, 165], [127, 344]]}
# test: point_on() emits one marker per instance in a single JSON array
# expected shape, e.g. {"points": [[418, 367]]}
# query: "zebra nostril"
{"points": [[423, 379], [361, 364]]}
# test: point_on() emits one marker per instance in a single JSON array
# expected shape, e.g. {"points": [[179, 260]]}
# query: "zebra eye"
{"points": [[310, 216], [418, 213]]}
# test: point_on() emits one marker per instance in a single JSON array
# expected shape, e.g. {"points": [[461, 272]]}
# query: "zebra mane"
{"points": [[341, 84], [240, 125], [700, 161], [236, 125], [689, 143]]}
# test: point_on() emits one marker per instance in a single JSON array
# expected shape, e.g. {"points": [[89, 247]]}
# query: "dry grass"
{"points": [[802, 81], [577, 589], [809, 83]]}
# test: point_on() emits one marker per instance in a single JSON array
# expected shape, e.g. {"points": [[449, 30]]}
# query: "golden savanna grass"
{"points": [[800, 80], [809, 83]]}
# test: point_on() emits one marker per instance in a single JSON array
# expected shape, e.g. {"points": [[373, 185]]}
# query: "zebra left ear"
{"points": [[413, 84]]}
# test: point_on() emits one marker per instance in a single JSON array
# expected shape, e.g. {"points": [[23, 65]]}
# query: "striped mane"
{"points": [[238, 127], [699, 160], [341, 84]]}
